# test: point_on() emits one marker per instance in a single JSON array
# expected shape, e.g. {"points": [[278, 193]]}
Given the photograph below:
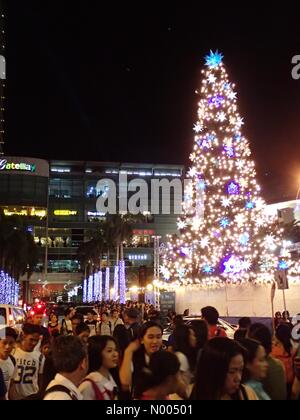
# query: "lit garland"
{"points": [[232, 239], [122, 277], [116, 283], [84, 297], [9, 290], [90, 297], [98, 286], [107, 283]]}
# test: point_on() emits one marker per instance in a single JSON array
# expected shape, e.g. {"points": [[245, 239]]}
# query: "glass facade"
{"points": [[73, 213]]}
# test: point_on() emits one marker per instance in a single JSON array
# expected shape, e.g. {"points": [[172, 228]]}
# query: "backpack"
{"points": [[61, 388], [99, 396], [13, 360]]}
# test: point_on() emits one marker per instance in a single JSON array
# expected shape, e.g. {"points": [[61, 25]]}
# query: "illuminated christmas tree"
{"points": [[224, 231]]}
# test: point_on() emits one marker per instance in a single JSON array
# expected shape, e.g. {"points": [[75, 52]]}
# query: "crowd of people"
{"points": [[118, 352]]}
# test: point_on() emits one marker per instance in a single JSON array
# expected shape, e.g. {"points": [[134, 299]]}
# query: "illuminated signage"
{"points": [[143, 232], [95, 213], [12, 166], [65, 212], [25, 212]]}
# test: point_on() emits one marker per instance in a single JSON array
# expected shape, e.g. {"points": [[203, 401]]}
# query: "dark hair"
{"points": [[278, 314], [96, 345], [283, 334], [162, 365], [240, 334], [92, 312], [145, 327], [245, 322], [45, 341], [49, 373], [210, 314], [10, 332], [78, 316], [120, 334], [285, 314], [104, 313], [178, 320], [251, 347], [182, 344], [82, 327], [132, 313], [68, 311], [213, 368], [67, 353], [29, 329], [262, 334], [201, 331]]}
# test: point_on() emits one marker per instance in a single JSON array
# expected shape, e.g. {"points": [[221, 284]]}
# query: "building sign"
{"points": [[281, 280], [65, 212], [5, 165], [95, 213], [143, 232], [25, 212], [167, 302]]}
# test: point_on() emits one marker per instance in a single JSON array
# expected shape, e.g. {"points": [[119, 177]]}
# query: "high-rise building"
{"points": [[2, 74]]}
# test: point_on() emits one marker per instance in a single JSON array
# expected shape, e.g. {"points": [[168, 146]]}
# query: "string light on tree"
{"points": [[227, 242]]}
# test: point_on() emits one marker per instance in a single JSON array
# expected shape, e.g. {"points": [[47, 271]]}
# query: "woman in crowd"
{"points": [[219, 372], [137, 355], [184, 347], [283, 350], [121, 336], [274, 384], [53, 325], [103, 356], [200, 329], [256, 367], [160, 379]]}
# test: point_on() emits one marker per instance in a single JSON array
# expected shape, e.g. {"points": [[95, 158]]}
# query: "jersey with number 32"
{"points": [[28, 368]]}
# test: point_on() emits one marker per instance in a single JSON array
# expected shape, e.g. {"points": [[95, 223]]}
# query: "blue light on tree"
{"points": [[216, 100], [224, 222], [229, 151], [211, 137], [283, 265], [213, 59], [250, 205], [244, 239], [181, 272], [201, 185], [207, 269], [237, 137], [233, 188], [232, 265], [227, 86]]}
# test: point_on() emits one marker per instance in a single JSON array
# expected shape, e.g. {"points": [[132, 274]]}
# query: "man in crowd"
{"points": [[70, 361], [211, 316], [7, 361], [29, 364]]}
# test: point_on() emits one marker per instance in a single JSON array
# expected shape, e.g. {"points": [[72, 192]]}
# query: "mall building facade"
{"points": [[69, 191]]}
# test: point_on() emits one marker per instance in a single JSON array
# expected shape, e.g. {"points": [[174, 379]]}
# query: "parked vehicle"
{"points": [[12, 316], [85, 309], [228, 328]]}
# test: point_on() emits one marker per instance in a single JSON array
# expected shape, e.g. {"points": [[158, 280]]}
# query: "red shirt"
{"points": [[215, 331]]}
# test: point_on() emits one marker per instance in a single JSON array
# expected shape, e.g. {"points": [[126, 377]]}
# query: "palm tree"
{"points": [[18, 251]]}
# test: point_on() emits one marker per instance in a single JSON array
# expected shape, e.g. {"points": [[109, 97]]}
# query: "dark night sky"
{"points": [[117, 82]]}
